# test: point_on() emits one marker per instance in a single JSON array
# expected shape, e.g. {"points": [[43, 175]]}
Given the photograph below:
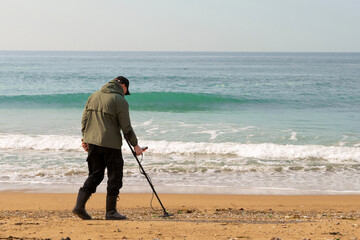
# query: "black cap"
{"points": [[125, 81]]}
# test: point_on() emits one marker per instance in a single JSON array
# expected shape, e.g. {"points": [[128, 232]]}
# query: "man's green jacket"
{"points": [[105, 114]]}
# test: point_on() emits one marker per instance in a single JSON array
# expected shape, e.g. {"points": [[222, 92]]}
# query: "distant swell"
{"points": [[268, 151]]}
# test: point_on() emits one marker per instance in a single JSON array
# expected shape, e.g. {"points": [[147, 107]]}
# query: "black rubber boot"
{"points": [[79, 209], [111, 212]]}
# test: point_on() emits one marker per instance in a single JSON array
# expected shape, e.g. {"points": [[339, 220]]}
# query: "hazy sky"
{"points": [[181, 25]]}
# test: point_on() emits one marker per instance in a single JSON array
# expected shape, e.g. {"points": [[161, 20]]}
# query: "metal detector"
{"points": [[166, 214]]}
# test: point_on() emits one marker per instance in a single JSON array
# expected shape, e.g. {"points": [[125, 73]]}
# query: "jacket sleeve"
{"points": [[125, 124], [84, 119]]}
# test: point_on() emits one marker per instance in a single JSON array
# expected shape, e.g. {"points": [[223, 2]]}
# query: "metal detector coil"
{"points": [[165, 213]]}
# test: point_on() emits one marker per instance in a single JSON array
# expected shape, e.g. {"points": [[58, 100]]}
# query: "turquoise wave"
{"points": [[147, 101], [50, 100], [181, 102]]}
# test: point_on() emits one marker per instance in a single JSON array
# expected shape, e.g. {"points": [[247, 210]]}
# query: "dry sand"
{"points": [[48, 216]]}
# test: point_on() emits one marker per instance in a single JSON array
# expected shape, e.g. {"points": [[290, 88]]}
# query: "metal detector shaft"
{"points": [[166, 214]]}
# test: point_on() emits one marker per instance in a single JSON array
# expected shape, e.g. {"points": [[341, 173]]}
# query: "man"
{"points": [[105, 115]]}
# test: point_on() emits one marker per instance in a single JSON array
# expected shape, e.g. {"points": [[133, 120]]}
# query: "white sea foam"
{"points": [[250, 150], [219, 166], [40, 142], [293, 136], [245, 128], [262, 150], [146, 123], [213, 133]]}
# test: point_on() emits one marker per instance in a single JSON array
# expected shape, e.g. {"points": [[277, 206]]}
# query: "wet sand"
{"points": [[48, 216]]}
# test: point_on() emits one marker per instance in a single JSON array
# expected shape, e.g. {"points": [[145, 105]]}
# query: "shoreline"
{"points": [[176, 189], [197, 216]]}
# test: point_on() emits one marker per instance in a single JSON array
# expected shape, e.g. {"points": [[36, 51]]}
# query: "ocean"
{"points": [[219, 123]]}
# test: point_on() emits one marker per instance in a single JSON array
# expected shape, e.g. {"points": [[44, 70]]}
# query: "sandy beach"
{"points": [[48, 216]]}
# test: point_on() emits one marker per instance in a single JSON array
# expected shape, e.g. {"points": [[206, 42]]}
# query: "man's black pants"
{"points": [[98, 159]]}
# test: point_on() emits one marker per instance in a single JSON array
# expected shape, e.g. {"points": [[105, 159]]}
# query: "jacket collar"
{"points": [[112, 87]]}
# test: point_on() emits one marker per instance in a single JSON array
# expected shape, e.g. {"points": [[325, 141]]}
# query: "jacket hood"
{"points": [[112, 87]]}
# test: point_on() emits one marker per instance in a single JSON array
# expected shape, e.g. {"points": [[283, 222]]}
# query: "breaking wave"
{"points": [[267, 151]]}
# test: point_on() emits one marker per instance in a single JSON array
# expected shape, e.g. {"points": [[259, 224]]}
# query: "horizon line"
{"points": [[177, 51]]}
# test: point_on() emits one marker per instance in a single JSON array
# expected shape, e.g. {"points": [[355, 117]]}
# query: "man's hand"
{"points": [[138, 150], [85, 146]]}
